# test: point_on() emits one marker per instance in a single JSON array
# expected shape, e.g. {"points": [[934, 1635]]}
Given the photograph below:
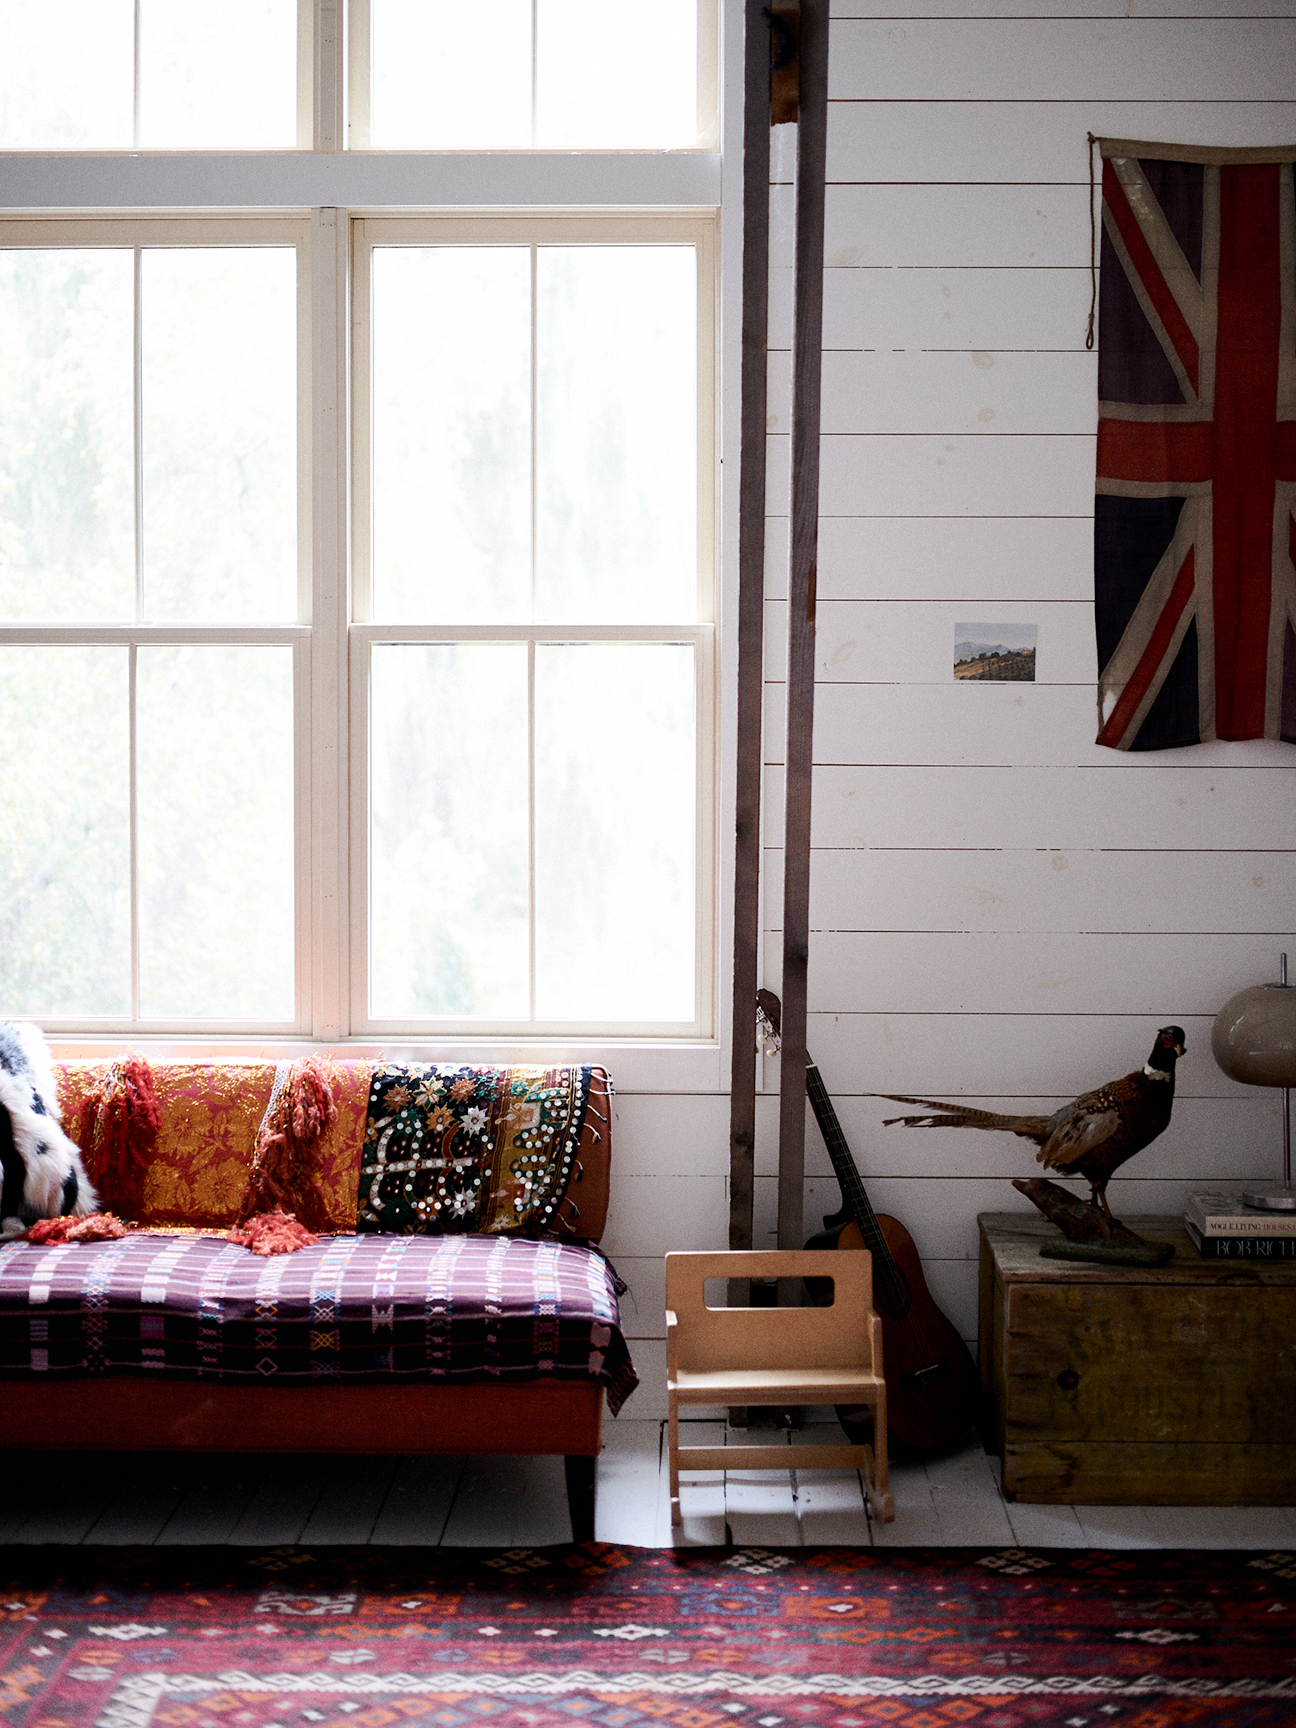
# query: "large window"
{"points": [[357, 613], [525, 836]]}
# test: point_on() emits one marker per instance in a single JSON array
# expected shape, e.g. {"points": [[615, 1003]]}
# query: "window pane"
{"points": [[220, 433], [66, 74], [616, 433], [452, 433], [608, 75], [218, 75], [449, 831], [215, 815], [615, 74], [67, 517], [64, 832], [615, 788], [477, 60]]}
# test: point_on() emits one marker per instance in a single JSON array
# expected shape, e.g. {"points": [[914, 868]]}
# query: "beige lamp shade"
{"points": [[1254, 1036]]}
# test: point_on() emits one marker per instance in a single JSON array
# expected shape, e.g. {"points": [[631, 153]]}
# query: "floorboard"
{"points": [[286, 1495], [509, 1502], [968, 1507], [350, 1500], [629, 1501], [418, 1503], [150, 1487], [760, 1505], [212, 1504], [114, 1499], [1117, 1527], [63, 1495], [702, 1494]]}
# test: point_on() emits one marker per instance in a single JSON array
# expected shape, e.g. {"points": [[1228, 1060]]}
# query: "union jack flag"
{"points": [[1195, 514]]}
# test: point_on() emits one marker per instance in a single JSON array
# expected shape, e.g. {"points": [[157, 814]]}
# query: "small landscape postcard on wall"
{"points": [[999, 653]]}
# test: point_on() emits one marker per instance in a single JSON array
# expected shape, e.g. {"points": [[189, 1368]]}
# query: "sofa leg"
{"points": [[580, 1495]]}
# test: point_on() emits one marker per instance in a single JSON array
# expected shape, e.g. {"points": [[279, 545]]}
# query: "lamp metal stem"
{"points": [[1270, 1198]]}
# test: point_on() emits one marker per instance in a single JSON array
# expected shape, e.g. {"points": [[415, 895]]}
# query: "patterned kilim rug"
{"points": [[627, 1638]]}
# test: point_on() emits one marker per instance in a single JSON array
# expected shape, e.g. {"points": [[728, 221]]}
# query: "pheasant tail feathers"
{"points": [[941, 1115]]}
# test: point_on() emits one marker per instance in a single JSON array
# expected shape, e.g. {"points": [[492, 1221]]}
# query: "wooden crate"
{"points": [[1167, 1386]]}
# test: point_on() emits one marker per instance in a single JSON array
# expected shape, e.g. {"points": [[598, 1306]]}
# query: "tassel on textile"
{"points": [[284, 1176], [117, 1131], [276, 1232], [96, 1227]]}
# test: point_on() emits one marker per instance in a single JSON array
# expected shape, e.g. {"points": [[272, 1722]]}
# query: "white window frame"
{"points": [[698, 633], [317, 182]]}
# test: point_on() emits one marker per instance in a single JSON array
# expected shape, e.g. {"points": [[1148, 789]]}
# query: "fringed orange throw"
{"points": [[269, 1233], [117, 1131], [97, 1227], [284, 1177]]}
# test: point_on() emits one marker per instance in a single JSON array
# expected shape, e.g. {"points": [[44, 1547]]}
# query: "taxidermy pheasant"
{"points": [[1094, 1134]]}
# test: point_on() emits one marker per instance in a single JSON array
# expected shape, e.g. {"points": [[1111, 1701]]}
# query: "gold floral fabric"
{"points": [[210, 1115]]}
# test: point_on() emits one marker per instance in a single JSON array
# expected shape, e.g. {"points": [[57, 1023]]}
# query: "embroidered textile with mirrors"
{"points": [[452, 1149]]}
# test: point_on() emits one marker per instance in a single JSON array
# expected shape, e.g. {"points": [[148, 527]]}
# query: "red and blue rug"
{"points": [[640, 1638]]}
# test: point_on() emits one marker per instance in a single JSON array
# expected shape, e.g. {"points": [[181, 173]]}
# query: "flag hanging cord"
{"points": [[1093, 248]]}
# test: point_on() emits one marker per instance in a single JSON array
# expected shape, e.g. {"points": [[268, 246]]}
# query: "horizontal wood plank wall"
{"points": [[1001, 911]]}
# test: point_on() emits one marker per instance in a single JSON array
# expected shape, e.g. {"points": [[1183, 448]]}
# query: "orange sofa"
{"points": [[195, 1182]]}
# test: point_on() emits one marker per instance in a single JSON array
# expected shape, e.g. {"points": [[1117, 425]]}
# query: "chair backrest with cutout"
{"points": [[708, 1339]]}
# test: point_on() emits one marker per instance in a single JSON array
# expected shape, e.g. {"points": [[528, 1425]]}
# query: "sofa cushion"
{"points": [[454, 1149], [352, 1309], [210, 1114]]}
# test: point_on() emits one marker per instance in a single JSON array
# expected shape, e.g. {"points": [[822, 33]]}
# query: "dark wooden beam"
{"points": [[807, 368], [751, 603]]}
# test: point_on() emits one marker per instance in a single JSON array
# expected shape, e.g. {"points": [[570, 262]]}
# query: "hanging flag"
{"points": [[1195, 513]]}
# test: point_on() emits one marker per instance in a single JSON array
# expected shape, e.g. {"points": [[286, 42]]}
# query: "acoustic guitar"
{"points": [[933, 1389]]}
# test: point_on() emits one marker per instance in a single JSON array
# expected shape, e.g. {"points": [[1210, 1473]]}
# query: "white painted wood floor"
{"points": [[259, 1500]]}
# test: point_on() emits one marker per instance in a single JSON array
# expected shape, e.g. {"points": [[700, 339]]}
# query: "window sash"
{"points": [[359, 37], [702, 639], [124, 234], [645, 230]]}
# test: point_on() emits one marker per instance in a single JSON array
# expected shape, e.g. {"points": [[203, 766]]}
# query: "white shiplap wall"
{"points": [[1002, 911]]}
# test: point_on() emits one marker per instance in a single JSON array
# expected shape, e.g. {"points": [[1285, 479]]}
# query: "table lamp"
{"points": [[1254, 1039]]}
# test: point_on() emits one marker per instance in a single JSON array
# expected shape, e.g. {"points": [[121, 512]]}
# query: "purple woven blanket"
{"points": [[352, 1308]]}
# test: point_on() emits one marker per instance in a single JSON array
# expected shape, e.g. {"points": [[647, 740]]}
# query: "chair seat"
{"points": [[751, 1385]]}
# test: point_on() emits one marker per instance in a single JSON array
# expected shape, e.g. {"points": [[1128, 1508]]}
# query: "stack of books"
{"points": [[1222, 1228]]}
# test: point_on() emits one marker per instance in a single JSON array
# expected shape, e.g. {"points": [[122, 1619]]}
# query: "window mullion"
{"points": [[133, 833], [535, 65], [329, 777], [531, 830], [137, 410], [135, 76], [321, 51]]}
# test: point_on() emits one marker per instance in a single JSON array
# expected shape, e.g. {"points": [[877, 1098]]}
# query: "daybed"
{"points": [[457, 1302]]}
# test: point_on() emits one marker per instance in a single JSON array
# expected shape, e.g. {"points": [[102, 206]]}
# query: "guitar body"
{"points": [[932, 1383], [933, 1389]]}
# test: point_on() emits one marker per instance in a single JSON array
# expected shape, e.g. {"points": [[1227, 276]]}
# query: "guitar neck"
{"points": [[848, 1177]]}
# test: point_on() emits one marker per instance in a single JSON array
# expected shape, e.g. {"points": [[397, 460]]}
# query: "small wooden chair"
{"points": [[785, 1356]]}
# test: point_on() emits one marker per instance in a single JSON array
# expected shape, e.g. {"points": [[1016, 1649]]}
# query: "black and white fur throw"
{"points": [[43, 1173]]}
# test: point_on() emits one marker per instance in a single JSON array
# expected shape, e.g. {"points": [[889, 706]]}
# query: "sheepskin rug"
{"points": [[43, 1173]]}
